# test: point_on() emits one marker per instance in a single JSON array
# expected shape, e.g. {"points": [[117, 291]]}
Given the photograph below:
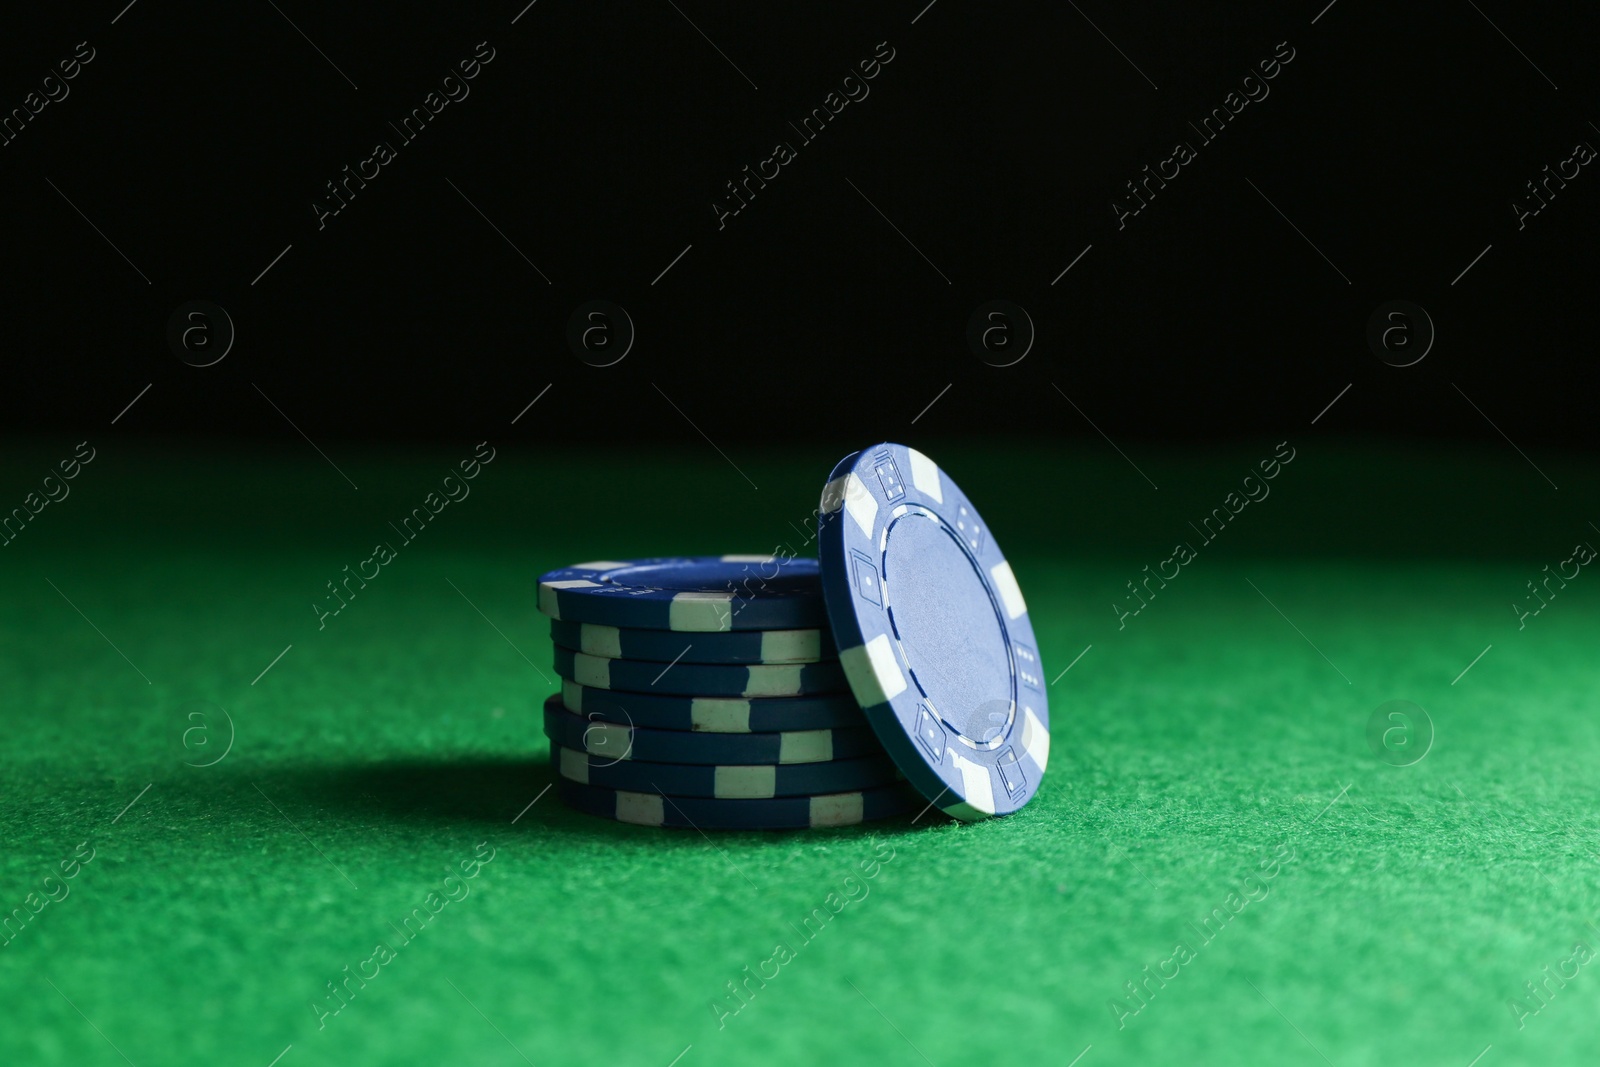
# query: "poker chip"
{"points": [[779, 813], [667, 646], [620, 741], [701, 594], [700, 679], [933, 632], [715, 715], [900, 670], [735, 781]]}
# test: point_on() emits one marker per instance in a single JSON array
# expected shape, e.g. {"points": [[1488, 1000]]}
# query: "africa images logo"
{"points": [[384, 553], [53, 89], [12, 525], [1252, 89], [852, 88], [1250, 888], [454, 89], [1255, 490], [339, 991], [741, 993]]}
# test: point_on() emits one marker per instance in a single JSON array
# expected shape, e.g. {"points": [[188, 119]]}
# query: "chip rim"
{"points": [[658, 811], [623, 741], [587, 592], [736, 781], [746, 681]]}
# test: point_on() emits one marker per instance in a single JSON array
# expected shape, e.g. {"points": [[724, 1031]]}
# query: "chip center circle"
{"points": [[947, 628]]}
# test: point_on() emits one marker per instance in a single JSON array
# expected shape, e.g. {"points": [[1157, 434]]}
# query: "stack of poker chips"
{"points": [[707, 692], [900, 670]]}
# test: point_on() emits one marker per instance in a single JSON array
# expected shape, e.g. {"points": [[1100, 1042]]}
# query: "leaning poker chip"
{"points": [[701, 679], [780, 813], [665, 646], [699, 594], [933, 632], [717, 715], [618, 741], [737, 781]]}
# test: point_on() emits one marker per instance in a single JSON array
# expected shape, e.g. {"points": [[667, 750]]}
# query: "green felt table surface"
{"points": [[1220, 731]]}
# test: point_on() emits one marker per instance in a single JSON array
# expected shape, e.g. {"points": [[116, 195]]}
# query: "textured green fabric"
{"points": [[1216, 734]]}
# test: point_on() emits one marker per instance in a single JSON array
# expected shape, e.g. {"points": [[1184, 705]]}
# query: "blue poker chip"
{"points": [[716, 715], [733, 782], [699, 594], [701, 679], [933, 632], [665, 646], [620, 741], [779, 813]]}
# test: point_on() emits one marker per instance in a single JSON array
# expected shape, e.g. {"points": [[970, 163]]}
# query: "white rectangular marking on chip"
{"points": [[773, 680], [645, 809], [745, 783], [719, 716], [610, 739], [1035, 739], [791, 646], [1010, 592], [838, 809], [574, 765], [701, 612], [572, 696], [747, 559], [600, 640], [976, 784], [858, 501], [925, 475], [833, 495], [875, 678], [805, 746], [602, 565], [548, 604], [591, 671]]}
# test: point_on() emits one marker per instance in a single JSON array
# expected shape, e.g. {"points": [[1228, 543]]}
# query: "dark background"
{"points": [[600, 135]]}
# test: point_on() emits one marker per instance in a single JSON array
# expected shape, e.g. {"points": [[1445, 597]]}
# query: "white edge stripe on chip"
{"points": [[1035, 739], [592, 671], [774, 679], [602, 565], [838, 809], [550, 604], [745, 782], [791, 646], [858, 501], [574, 765], [721, 715], [702, 612], [874, 676], [833, 495], [572, 696], [977, 787], [925, 475], [805, 746], [644, 809], [747, 559], [612, 738], [599, 640], [1010, 592]]}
